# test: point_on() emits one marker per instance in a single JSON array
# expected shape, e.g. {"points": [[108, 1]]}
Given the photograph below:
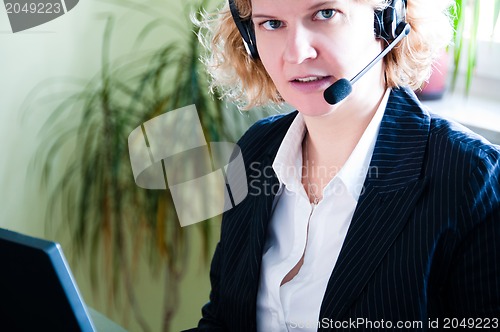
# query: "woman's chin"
{"points": [[314, 107]]}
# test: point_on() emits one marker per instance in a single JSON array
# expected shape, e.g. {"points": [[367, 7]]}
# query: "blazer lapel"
{"points": [[392, 187], [261, 209], [263, 185]]}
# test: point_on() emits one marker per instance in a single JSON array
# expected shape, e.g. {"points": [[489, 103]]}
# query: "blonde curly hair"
{"points": [[245, 81]]}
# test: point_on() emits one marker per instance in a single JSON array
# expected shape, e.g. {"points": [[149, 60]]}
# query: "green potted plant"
{"points": [[466, 20], [460, 22], [109, 218]]}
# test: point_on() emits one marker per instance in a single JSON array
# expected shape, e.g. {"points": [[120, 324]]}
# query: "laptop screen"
{"points": [[37, 289]]}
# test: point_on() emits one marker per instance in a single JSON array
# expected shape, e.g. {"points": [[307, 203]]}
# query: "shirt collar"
{"points": [[288, 161], [356, 168]]}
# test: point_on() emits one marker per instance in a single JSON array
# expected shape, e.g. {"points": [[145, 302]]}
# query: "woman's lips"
{"points": [[312, 83]]}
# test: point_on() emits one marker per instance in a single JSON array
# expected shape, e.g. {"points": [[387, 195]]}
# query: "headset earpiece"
{"points": [[246, 29], [388, 22]]}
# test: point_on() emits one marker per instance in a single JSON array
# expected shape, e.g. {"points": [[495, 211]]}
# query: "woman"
{"points": [[365, 211]]}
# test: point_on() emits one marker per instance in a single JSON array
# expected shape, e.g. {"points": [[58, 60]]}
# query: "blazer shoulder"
{"points": [[445, 131], [466, 161], [264, 137]]}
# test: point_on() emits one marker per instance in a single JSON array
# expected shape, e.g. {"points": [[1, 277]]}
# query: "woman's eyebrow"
{"points": [[313, 7]]}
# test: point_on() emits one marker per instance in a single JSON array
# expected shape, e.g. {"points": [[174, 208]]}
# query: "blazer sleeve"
{"points": [[474, 282], [210, 320]]}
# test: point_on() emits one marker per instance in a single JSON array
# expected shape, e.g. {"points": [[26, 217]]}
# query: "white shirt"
{"points": [[298, 227]]}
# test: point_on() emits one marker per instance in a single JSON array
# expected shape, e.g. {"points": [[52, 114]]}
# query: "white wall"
{"points": [[70, 46]]}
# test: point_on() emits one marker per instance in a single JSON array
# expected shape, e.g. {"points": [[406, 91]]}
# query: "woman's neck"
{"points": [[333, 137]]}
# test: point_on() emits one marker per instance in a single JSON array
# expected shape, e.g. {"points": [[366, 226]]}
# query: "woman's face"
{"points": [[306, 45]]}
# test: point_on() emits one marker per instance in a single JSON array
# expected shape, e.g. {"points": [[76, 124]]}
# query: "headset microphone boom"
{"points": [[343, 87]]}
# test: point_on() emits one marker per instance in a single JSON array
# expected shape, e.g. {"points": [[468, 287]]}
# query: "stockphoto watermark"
{"points": [[26, 14], [361, 323], [207, 179], [170, 151], [317, 177], [358, 324]]}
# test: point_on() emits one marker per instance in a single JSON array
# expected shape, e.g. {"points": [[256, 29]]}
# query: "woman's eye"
{"points": [[272, 24], [325, 14]]}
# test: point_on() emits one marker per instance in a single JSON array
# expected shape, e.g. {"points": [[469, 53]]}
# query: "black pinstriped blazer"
{"points": [[424, 241]]}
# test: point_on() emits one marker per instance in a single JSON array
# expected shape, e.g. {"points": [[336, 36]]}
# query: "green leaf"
{"points": [[496, 12]]}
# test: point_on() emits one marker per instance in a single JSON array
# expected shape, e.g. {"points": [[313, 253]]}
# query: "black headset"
{"points": [[390, 22], [246, 29], [387, 24]]}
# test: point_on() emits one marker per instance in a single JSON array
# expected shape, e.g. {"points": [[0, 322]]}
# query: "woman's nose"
{"points": [[299, 46]]}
